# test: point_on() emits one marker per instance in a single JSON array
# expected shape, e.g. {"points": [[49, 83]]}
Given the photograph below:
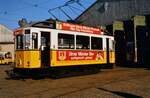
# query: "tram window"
{"points": [[35, 40], [43, 41], [66, 41], [19, 42], [27, 39], [96, 43], [82, 42]]}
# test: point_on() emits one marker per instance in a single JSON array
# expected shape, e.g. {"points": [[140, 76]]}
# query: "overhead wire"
{"points": [[22, 8], [36, 5], [70, 4], [66, 4], [13, 12]]}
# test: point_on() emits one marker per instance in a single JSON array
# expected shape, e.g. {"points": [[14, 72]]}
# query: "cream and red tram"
{"points": [[61, 44]]}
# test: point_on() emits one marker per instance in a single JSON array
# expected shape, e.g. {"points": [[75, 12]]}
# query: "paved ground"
{"points": [[115, 83]]}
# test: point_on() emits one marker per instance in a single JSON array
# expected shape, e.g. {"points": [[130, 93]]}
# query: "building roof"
{"points": [[105, 12], [6, 35]]}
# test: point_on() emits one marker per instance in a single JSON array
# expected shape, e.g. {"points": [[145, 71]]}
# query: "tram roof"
{"points": [[61, 25]]}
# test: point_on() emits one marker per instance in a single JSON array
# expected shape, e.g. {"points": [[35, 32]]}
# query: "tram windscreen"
{"points": [[27, 39], [19, 42], [23, 41]]}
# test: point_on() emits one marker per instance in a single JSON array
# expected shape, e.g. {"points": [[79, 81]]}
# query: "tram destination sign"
{"points": [[18, 31]]}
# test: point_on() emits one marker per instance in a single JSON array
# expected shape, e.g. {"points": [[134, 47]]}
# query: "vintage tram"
{"points": [[55, 44]]}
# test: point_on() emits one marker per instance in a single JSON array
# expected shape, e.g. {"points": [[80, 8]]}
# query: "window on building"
{"points": [[66, 41], [82, 42], [96, 43]]}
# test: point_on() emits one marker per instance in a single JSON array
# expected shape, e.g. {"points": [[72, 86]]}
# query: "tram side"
{"points": [[81, 49], [38, 48]]}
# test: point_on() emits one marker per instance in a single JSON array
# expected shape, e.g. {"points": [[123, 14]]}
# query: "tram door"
{"points": [[45, 49], [107, 50]]}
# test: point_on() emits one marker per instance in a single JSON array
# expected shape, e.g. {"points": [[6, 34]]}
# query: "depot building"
{"points": [[6, 40]]}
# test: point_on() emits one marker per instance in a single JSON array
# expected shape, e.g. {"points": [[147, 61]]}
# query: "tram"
{"points": [[53, 44]]}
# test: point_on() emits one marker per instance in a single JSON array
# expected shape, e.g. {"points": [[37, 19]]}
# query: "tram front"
{"points": [[27, 53]]}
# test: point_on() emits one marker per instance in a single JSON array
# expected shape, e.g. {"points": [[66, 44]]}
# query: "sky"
{"points": [[11, 11]]}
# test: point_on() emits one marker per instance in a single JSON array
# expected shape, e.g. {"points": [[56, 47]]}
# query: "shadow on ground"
{"points": [[122, 94], [52, 75]]}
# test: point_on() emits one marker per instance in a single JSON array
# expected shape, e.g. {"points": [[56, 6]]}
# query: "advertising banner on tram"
{"points": [[79, 55]]}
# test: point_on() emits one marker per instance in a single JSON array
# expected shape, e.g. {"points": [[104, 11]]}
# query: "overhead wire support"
{"points": [[68, 3], [52, 14], [75, 8], [57, 7], [72, 9], [80, 4], [65, 13]]}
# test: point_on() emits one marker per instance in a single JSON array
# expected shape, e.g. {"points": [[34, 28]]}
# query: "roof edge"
{"points": [[87, 9]]}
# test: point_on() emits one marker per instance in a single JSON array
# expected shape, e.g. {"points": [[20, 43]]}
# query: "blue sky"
{"points": [[34, 10]]}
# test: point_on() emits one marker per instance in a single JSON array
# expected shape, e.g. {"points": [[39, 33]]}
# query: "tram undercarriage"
{"points": [[55, 72]]}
